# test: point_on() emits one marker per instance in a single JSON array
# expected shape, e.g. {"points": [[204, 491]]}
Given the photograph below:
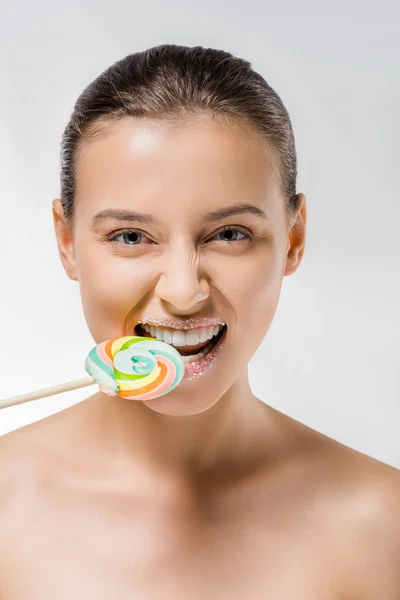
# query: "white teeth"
{"points": [[182, 338], [167, 337], [204, 334], [197, 356], [192, 338], [194, 357], [178, 338]]}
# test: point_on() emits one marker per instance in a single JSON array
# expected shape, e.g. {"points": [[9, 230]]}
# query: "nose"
{"points": [[181, 283]]}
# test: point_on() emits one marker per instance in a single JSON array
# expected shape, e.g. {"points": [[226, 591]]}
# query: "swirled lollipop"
{"points": [[133, 367], [137, 368]]}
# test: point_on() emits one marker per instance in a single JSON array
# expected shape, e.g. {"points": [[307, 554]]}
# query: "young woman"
{"points": [[179, 218]]}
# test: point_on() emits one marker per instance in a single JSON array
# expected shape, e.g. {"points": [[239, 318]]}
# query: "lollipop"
{"points": [[133, 367], [137, 368]]}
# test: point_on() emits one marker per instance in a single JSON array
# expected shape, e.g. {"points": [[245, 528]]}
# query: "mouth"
{"points": [[189, 353]]}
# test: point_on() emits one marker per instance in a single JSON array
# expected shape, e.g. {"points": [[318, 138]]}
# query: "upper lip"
{"points": [[181, 323]]}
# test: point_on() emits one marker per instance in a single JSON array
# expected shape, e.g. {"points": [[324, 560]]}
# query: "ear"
{"points": [[297, 236], [64, 240]]}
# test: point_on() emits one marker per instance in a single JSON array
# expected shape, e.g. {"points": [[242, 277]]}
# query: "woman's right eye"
{"points": [[130, 237]]}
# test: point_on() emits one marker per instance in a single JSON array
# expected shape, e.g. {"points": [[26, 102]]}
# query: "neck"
{"points": [[228, 437]]}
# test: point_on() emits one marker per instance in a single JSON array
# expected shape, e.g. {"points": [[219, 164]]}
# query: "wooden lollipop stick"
{"points": [[50, 391]]}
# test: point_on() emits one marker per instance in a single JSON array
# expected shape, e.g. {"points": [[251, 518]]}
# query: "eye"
{"points": [[130, 237], [230, 234]]}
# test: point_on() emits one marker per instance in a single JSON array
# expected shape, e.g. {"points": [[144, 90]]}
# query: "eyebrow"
{"points": [[216, 215]]}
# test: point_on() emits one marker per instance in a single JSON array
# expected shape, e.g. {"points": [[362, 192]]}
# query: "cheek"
{"points": [[110, 288], [255, 291]]}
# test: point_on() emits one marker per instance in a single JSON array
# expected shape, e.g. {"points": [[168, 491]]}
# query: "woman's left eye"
{"points": [[229, 230]]}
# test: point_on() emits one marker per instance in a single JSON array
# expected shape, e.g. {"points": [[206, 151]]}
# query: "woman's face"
{"points": [[181, 260]]}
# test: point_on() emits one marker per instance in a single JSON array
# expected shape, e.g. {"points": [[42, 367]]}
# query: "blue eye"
{"points": [[230, 229], [129, 236]]}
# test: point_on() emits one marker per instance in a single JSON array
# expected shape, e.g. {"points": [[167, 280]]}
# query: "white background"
{"points": [[331, 357]]}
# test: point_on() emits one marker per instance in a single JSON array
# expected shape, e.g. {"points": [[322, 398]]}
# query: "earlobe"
{"points": [[64, 240]]}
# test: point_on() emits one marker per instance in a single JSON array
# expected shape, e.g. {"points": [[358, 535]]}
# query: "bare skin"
{"points": [[300, 517], [206, 492]]}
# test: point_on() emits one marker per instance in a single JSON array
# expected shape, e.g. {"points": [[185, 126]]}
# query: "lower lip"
{"points": [[197, 368]]}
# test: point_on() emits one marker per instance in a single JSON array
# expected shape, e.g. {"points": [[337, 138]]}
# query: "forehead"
{"points": [[199, 162]]}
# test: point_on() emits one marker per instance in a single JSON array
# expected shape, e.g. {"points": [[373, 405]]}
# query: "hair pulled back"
{"points": [[174, 82]]}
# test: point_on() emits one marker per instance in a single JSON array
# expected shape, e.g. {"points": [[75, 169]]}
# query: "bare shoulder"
{"points": [[28, 456], [20, 451], [17, 453], [360, 498], [373, 520], [370, 487], [21, 476], [17, 460]]}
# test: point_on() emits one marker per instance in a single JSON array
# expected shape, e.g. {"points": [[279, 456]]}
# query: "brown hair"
{"points": [[173, 82]]}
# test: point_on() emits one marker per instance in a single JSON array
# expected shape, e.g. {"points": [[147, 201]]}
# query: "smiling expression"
{"points": [[180, 222]]}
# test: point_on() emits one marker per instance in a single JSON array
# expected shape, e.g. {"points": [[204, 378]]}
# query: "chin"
{"points": [[165, 406], [191, 397]]}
